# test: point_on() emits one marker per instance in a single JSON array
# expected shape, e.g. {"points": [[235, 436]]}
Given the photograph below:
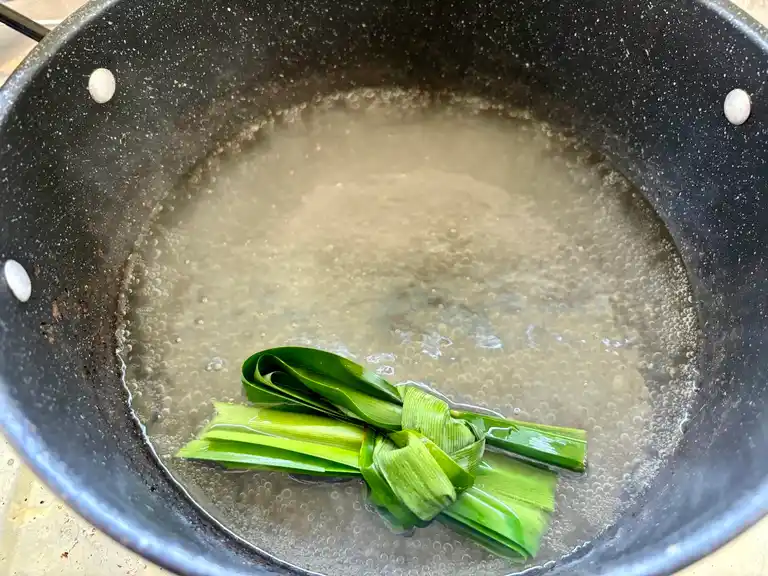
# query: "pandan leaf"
{"points": [[336, 386], [315, 449], [511, 522], [380, 492], [508, 505], [327, 382], [504, 507], [416, 477], [507, 478], [563, 447], [497, 526], [321, 414], [431, 416], [253, 456], [485, 538], [273, 439], [296, 426]]}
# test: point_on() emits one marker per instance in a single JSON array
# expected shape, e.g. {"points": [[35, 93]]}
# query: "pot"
{"points": [[644, 83]]}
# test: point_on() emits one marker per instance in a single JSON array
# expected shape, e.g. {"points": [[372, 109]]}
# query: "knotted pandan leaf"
{"points": [[503, 505], [419, 480], [380, 492], [314, 380], [321, 414], [416, 473], [431, 416]]}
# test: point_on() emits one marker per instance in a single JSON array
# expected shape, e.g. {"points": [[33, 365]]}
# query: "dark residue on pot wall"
{"points": [[79, 179]]}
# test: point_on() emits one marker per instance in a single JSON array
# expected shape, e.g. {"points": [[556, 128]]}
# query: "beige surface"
{"points": [[39, 536]]}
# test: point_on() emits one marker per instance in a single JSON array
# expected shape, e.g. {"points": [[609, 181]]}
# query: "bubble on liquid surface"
{"points": [[463, 247]]}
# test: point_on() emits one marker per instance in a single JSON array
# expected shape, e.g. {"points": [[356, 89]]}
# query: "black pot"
{"points": [[643, 81]]}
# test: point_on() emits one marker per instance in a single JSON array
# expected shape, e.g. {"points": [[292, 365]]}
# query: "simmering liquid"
{"points": [[459, 245]]}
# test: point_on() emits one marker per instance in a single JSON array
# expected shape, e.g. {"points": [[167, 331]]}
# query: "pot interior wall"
{"points": [[644, 84]]}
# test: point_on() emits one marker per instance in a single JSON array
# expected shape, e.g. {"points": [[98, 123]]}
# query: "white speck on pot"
{"points": [[737, 106], [18, 280], [102, 85]]}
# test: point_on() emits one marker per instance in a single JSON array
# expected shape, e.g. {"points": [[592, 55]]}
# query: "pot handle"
{"points": [[21, 23]]}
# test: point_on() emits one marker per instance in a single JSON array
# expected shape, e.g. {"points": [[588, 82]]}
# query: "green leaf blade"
{"points": [[431, 416], [414, 475], [508, 478], [398, 515], [268, 380], [300, 447], [509, 504], [557, 446], [321, 380], [246, 456], [353, 403], [486, 538], [271, 439], [313, 428], [516, 526]]}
